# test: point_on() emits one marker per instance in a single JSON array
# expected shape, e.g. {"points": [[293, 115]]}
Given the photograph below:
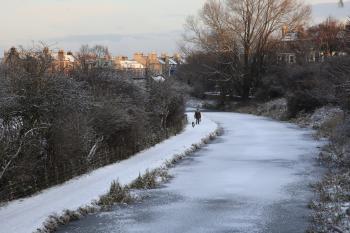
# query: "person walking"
{"points": [[197, 116]]}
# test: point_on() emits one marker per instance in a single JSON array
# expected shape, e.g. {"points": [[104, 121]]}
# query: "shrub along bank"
{"points": [[55, 126]]}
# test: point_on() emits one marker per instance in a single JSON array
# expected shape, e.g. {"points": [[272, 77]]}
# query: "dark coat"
{"points": [[197, 115]]}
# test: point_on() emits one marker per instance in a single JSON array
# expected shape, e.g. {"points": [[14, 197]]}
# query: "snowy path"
{"points": [[25, 216], [255, 178]]}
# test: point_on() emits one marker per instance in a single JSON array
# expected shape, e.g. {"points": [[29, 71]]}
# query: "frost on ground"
{"points": [[332, 207], [324, 119], [27, 215], [326, 115]]}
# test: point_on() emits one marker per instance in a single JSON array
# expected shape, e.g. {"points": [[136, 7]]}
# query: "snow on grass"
{"points": [[27, 215]]}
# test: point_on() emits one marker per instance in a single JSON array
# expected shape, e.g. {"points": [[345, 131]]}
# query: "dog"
{"points": [[193, 124]]}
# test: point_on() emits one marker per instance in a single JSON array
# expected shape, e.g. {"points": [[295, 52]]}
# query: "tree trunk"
{"points": [[247, 76]]}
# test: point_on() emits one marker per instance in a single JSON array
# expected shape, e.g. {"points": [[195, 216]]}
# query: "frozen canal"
{"points": [[254, 178]]}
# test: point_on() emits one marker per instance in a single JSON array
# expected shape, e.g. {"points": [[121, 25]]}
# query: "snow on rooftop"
{"points": [[161, 61], [172, 62], [67, 57], [131, 64], [158, 78]]}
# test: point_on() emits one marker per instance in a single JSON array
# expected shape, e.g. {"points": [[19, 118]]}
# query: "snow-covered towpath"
{"points": [[255, 178], [26, 215]]}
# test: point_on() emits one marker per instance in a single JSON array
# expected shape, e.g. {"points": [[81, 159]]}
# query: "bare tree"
{"points": [[100, 51], [327, 36], [8, 160], [92, 57], [84, 57], [34, 61], [242, 30]]}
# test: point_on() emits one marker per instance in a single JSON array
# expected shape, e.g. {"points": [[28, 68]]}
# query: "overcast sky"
{"points": [[125, 26]]}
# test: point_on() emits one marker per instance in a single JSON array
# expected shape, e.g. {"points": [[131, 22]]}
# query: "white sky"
{"points": [[124, 25]]}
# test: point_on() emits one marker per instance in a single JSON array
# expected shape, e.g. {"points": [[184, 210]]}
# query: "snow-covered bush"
{"points": [[55, 126], [276, 109], [327, 118]]}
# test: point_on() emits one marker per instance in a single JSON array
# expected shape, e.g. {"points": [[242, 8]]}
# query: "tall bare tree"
{"points": [[242, 30]]}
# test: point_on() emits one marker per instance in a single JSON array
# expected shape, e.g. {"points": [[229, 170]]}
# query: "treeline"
{"points": [[228, 42], [307, 82], [55, 126], [235, 47], [308, 86]]}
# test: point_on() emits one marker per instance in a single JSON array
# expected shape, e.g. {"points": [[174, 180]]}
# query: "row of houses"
{"points": [[140, 65], [56, 61], [295, 46], [152, 64], [300, 47]]}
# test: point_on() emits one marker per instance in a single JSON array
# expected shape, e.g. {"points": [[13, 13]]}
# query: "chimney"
{"points": [[153, 56], [284, 31], [13, 51], [138, 57], [60, 55]]}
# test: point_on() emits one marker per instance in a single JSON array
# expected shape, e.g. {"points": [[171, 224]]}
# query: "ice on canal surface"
{"points": [[255, 178]]}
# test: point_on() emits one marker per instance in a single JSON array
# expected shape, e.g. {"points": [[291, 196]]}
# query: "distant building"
{"points": [[105, 62], [163, 65], [170, 64], [11, 56], [139, 67], [63, 62], [295, 47], [289, 35], [122, 63], [150, 62]]}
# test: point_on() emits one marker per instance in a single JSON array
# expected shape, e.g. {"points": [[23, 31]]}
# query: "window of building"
{"points": [[279, 59], [292, 59]]}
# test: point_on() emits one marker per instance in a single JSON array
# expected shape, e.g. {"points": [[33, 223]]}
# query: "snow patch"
{"points": [[27, 215], [158, 78], [326, 115]]}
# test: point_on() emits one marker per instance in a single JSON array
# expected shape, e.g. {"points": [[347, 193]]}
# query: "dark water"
{"points": [[255, 178]]}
